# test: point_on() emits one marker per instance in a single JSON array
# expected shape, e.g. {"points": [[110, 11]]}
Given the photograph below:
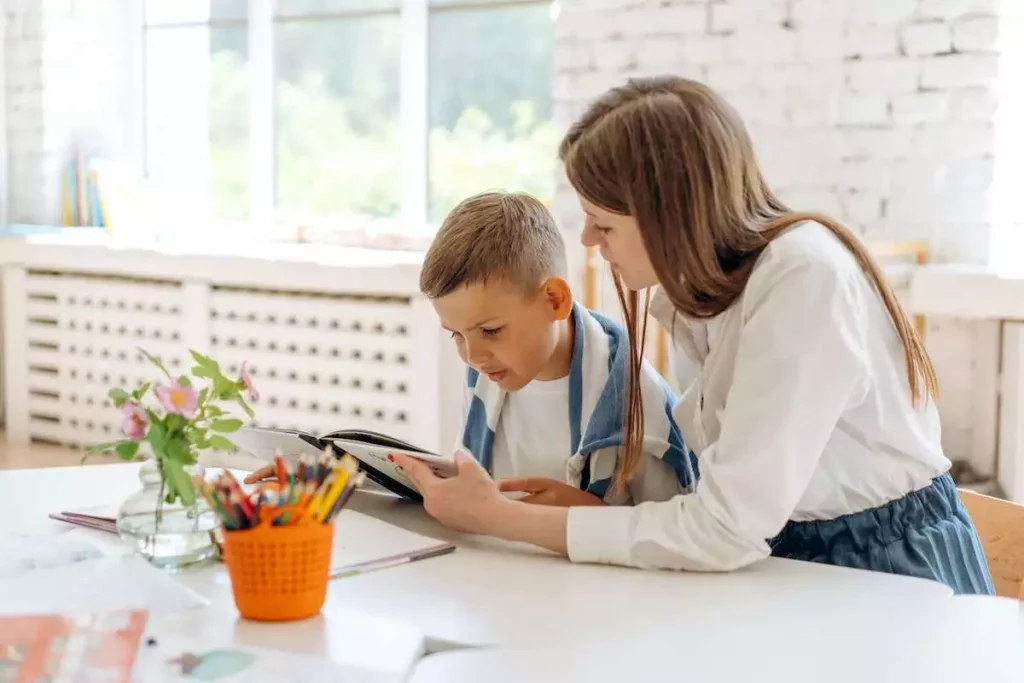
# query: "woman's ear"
{"points": [[558, 294]]}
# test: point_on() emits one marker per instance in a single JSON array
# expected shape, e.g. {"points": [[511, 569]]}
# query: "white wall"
{"points": [[879, 112]]}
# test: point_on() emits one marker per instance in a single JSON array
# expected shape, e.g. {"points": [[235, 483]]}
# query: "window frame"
{"points": [[414, 94]]}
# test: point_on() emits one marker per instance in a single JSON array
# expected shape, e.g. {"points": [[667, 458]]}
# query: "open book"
{"points": [[369, 448]]}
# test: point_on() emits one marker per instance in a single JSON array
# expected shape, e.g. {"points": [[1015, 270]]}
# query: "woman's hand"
{"points": [[469, 502], [549, 492]]}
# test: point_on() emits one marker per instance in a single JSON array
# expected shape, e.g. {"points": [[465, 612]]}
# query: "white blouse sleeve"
{"points": [[800, 362]]}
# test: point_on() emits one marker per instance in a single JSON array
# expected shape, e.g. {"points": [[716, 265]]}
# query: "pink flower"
{"points": [[135, 420], [178, 398], [251, 393]]}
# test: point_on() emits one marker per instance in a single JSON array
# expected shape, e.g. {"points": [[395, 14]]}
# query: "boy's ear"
{"points": [[559, 296]]}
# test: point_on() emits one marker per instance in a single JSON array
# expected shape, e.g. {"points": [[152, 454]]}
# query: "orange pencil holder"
{"points": [[279, 573]]}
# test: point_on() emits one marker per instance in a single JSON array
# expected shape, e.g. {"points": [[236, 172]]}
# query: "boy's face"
{"points": [[504, 333]]}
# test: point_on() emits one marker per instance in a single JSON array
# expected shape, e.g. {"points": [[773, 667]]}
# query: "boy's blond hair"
{"points": [[508, 236]]}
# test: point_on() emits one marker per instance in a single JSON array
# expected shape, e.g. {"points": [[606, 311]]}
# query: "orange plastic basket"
{"points": [[279, 573]]}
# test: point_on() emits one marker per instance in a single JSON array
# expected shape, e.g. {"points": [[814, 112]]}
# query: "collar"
{"points": [[693, 334]]}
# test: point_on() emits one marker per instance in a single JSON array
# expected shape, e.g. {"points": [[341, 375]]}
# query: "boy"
{"points": [[545, 386]]}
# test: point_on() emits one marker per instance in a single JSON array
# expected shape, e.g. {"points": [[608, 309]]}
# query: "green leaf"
{"points": [[184, 381], [226, 426], [214, 411], [221, 443], [177, 449], [157, 435], [180, 481], [205, 362], [245, 406], [198, 438], [206, 373], [126, 450], [174, 423], [224, 388], [118, 396], [141, 390], [155, 361]]}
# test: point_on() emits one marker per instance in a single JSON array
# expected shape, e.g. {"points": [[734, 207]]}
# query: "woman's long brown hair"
{"points": [[675, 156]]}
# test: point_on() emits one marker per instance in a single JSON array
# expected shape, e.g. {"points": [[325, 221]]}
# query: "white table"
{"points": [[493, 593], [365, 647], [964, 639]]}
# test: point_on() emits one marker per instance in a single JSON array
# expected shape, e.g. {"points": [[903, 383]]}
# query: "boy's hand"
{"points": [[265, 472], [549, 492], [468, 502]]}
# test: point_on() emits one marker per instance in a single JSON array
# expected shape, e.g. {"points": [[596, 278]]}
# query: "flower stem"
{"points": [[160, 499]]}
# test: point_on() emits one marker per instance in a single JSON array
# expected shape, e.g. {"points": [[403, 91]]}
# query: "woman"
{"points": [[810, 397]]}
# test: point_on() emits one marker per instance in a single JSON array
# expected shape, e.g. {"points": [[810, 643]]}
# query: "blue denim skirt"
{"points": [[926, 533]]}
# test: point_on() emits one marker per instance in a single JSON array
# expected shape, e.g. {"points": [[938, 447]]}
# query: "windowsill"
{"points": [[230, 262], [337, 254]]}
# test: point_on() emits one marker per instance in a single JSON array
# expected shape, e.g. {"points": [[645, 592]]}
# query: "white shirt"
{"points": [[798, 407], [532, 437]]}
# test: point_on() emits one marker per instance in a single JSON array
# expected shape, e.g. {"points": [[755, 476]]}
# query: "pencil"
{"points": [[282, 475], [332, 494], [342, 500]]}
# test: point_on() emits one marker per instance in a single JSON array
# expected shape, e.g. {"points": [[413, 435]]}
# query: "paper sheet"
{"points": [[96, 585], [25, 552], [172, 658], [359, 538]]}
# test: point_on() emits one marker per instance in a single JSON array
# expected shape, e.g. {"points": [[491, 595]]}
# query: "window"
{"points": [[196, 105], [357, 121], [490, 100]]}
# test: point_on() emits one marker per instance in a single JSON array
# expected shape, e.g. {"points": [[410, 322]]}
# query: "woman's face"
{"points": [[618, 239]]}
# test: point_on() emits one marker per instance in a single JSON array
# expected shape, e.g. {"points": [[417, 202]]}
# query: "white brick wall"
{"points": [[878, 111]]}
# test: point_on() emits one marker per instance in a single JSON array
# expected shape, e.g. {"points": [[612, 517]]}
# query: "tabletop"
{"points": [[490, 592], [965, 639], [363, 646]]}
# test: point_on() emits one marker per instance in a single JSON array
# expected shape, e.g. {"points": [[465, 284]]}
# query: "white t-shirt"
{"points": [[538, 417]]}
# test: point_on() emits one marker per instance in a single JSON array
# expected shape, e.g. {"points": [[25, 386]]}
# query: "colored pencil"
{"points": [[313, 490]]}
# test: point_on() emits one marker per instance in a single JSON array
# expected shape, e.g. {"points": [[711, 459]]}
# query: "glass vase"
{"points": [[168, 535]]}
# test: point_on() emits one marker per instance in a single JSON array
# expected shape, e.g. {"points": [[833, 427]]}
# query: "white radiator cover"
{"points": [[334, 340]]}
